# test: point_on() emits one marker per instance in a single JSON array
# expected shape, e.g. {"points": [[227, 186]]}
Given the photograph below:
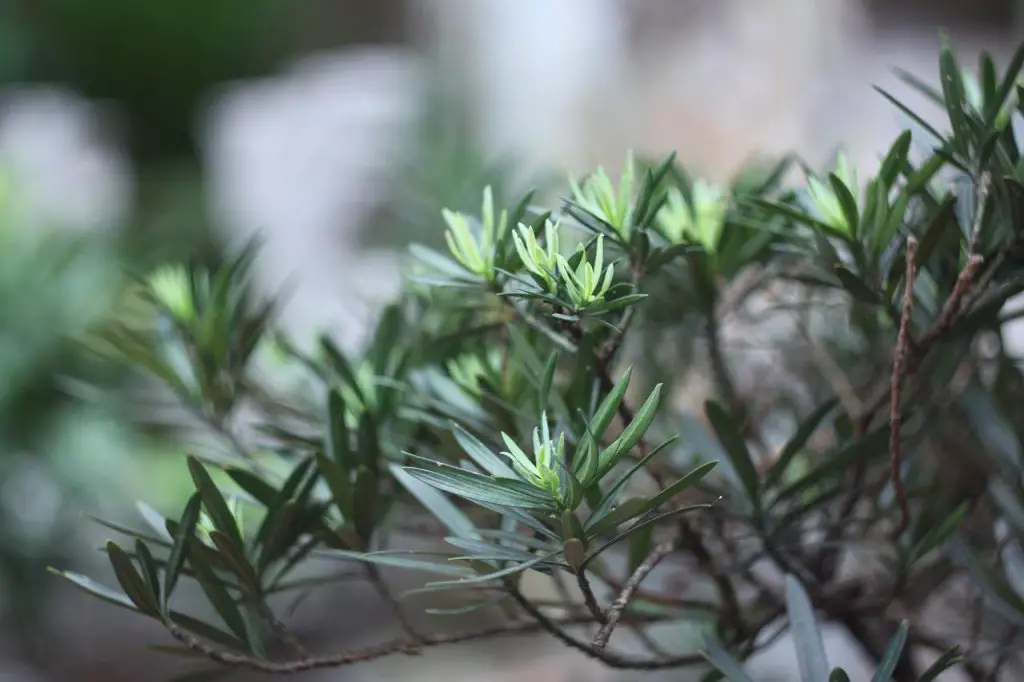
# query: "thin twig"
{"points": [[618, 606], [898, 370], [588, 597], [235, 660]]}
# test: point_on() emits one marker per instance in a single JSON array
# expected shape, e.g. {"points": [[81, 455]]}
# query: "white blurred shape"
{"points": [[302, 160], [533, 67], [64, 175]]}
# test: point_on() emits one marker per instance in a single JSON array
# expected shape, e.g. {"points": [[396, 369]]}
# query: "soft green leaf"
{"points": [[891, 657], [155, 520], [810, 650], [436, 503], [498, 491], [724, 662], [96, 589], [481, 454]]}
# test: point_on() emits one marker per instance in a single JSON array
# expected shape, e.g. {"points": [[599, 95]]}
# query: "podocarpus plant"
{"points": [[515, 398]]}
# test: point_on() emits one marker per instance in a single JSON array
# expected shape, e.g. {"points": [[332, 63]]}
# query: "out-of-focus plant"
{"points": [[114, 50], [61, 440], [505, 408]]}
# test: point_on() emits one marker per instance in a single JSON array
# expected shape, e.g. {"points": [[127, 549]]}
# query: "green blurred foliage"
{"points": [[156, 58]]}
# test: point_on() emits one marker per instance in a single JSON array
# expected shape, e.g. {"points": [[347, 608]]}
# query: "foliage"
{"points": [[142, 44], [56, 288], [518, 403]]}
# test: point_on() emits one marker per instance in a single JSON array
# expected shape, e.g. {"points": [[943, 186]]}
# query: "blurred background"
{"points": [[137, 132]]}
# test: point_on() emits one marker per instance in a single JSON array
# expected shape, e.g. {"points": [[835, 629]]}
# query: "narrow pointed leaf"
{"points": [[131, 582], [798, 441], [214, 502], [481, 454], [632, 434], [810, 651], [436, 503], [892, 654], [731, 438]]}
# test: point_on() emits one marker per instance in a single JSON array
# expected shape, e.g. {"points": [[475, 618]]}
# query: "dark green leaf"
{"points": [[846, 201], [731, 437], [838, 675], [608, 500], [149, 568], [214, 502], [631, 435], [866, 449], [640, 544], [365, 503], [953, 95], [235, 559], [605, 413], [798, 441], [938, 535], [944, 662], [261, 491], [218, 596], [207, 631], [340, 365], [929, 128], [857, 287], [613, 518], [688, 481], [338, 447], [894, 160], [337, 483], [1002, 93], [131, 582]]}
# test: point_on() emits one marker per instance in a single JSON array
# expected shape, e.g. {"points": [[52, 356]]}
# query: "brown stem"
{"points": [[588, 597], [618, 607], [898, 370]]}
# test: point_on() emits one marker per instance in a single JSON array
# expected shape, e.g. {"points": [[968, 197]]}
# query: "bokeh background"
{"points": [[135, 132]]}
